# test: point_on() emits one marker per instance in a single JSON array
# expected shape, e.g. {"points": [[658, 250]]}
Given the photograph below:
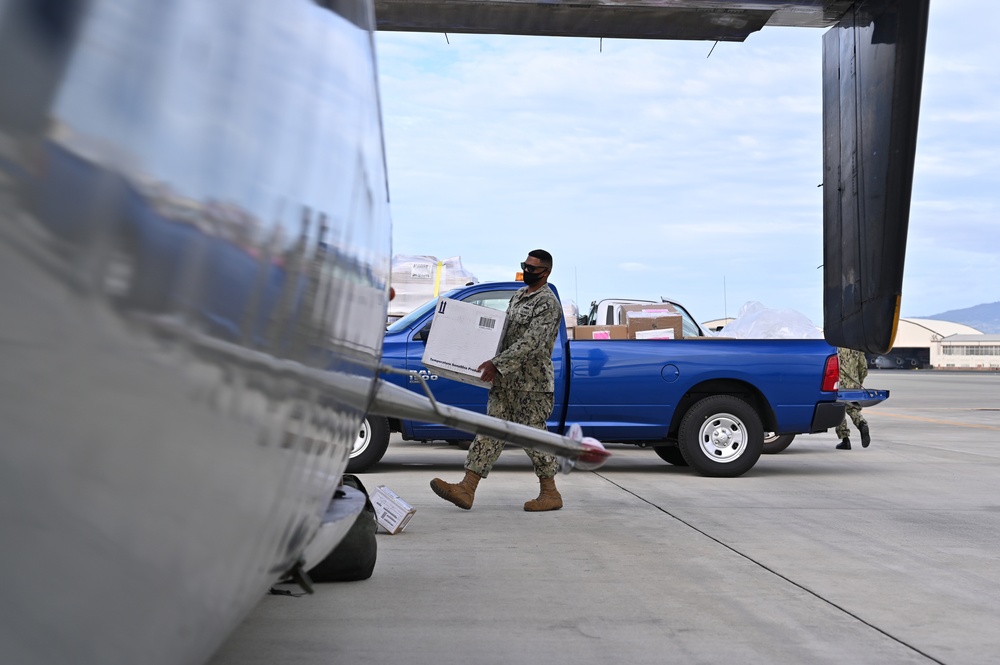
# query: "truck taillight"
{"points": [[831, 374]]}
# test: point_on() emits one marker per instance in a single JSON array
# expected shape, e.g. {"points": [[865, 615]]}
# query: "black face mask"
{"points": [[532, 278]]}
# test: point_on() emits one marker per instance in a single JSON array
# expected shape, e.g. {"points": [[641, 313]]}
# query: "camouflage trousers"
{"points": [[854, 412], [526, 408]]}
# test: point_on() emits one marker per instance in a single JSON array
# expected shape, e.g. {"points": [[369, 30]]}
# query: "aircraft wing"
{"points": [[873, 58], [713, 20]]}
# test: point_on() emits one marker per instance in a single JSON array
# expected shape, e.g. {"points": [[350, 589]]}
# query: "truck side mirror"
{"points": [[423, 333]]}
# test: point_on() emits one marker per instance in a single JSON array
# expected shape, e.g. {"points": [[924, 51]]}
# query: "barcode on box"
{"points": [[487, 322]]}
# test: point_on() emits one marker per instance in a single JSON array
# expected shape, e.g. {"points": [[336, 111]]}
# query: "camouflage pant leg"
{"points": [[854, 412], [527, 408]]}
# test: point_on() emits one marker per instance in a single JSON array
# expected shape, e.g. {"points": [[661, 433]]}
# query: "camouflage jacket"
{"points": [[853, 368], [525, 358]]}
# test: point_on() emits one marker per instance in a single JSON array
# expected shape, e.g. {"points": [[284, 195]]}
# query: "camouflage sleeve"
{"points": [[854, 368], [536, 343]]}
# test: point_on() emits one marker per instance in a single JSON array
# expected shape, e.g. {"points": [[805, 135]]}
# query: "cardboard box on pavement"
{"points": [[391, 512], [463, 336]]}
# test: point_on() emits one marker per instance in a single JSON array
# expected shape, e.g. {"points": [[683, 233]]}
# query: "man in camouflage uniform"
{"points": [[853, 371], [523, 386]]}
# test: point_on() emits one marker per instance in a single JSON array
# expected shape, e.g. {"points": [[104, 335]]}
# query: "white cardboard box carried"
{"points": [[463, 336], [391, 512]]}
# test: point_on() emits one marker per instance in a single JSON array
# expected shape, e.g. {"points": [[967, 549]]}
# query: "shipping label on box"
{"points": [[463, 336], [601, 332], [667, 333], [391, 512]]}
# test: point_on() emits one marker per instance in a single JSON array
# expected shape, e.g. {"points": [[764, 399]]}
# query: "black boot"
{"points": [[845, 444], [865, 437]]}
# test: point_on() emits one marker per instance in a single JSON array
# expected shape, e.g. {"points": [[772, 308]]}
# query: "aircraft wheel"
{"points": [[371, 444], [721, 436], [671, 454], [775, 443]]}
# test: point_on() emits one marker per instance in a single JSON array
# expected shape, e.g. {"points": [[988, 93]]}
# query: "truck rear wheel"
{"points": [[721, 436], [775, 443], [671, 454], [371, 444]]}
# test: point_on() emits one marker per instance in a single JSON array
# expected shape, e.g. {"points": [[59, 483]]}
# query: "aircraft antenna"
{"points": [[712, 49]]}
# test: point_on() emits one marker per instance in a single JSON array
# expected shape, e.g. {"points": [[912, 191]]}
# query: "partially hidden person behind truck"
{"points": [[523, 386], [853, 372]]}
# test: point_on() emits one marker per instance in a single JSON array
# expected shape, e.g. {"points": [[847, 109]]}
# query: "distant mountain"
{"points": [[984, 318]]}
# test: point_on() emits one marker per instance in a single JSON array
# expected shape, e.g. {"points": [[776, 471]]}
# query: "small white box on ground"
{"points": [[391, 512], [463, 336]]}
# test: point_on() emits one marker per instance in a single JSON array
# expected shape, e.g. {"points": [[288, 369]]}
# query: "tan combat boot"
{"points": [[548, 499], [462, 493]]}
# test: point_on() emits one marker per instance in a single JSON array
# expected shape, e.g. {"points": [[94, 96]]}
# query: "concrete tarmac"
{"points": [[889, 554]]}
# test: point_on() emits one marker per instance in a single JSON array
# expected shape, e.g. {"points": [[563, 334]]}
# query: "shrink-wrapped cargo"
{"points": [[417, 279]]}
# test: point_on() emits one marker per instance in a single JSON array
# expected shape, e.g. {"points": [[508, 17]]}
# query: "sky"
{"points": [[669, 168]]}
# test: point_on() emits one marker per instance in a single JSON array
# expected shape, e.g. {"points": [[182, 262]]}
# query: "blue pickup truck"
{"points": [[700, 401]]}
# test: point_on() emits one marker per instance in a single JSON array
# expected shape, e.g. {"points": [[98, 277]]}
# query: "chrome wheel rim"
{"points": [[364, 439], [723, 437]]}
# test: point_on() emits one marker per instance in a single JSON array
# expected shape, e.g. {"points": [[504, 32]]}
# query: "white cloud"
{"points": [[630, 266]]}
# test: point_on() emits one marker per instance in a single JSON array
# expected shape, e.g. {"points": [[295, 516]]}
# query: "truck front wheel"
{"points": [[721, 436], [371, 444]]}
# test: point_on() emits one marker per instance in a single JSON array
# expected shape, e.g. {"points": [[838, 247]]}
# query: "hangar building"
{"points": [[912, 347], [966, 352]]}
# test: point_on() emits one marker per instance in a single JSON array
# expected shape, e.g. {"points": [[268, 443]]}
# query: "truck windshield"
{"points": [[405, 322], [690, 326], [497, 300]]}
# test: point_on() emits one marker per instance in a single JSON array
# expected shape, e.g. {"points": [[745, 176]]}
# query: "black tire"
{"points": [[721, 436], [671, 454], [372, 442], [775, 443]]}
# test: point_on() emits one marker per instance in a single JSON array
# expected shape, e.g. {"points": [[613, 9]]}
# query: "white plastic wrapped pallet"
{"points": [[419, 278], [755, 321]]}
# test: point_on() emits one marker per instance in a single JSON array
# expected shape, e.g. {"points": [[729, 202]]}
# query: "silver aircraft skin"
{"points": [[194, 215], [194, 261]]}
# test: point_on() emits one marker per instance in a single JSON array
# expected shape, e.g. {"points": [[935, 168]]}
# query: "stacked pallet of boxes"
{"points": [[417, 279], [640, 321]]}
